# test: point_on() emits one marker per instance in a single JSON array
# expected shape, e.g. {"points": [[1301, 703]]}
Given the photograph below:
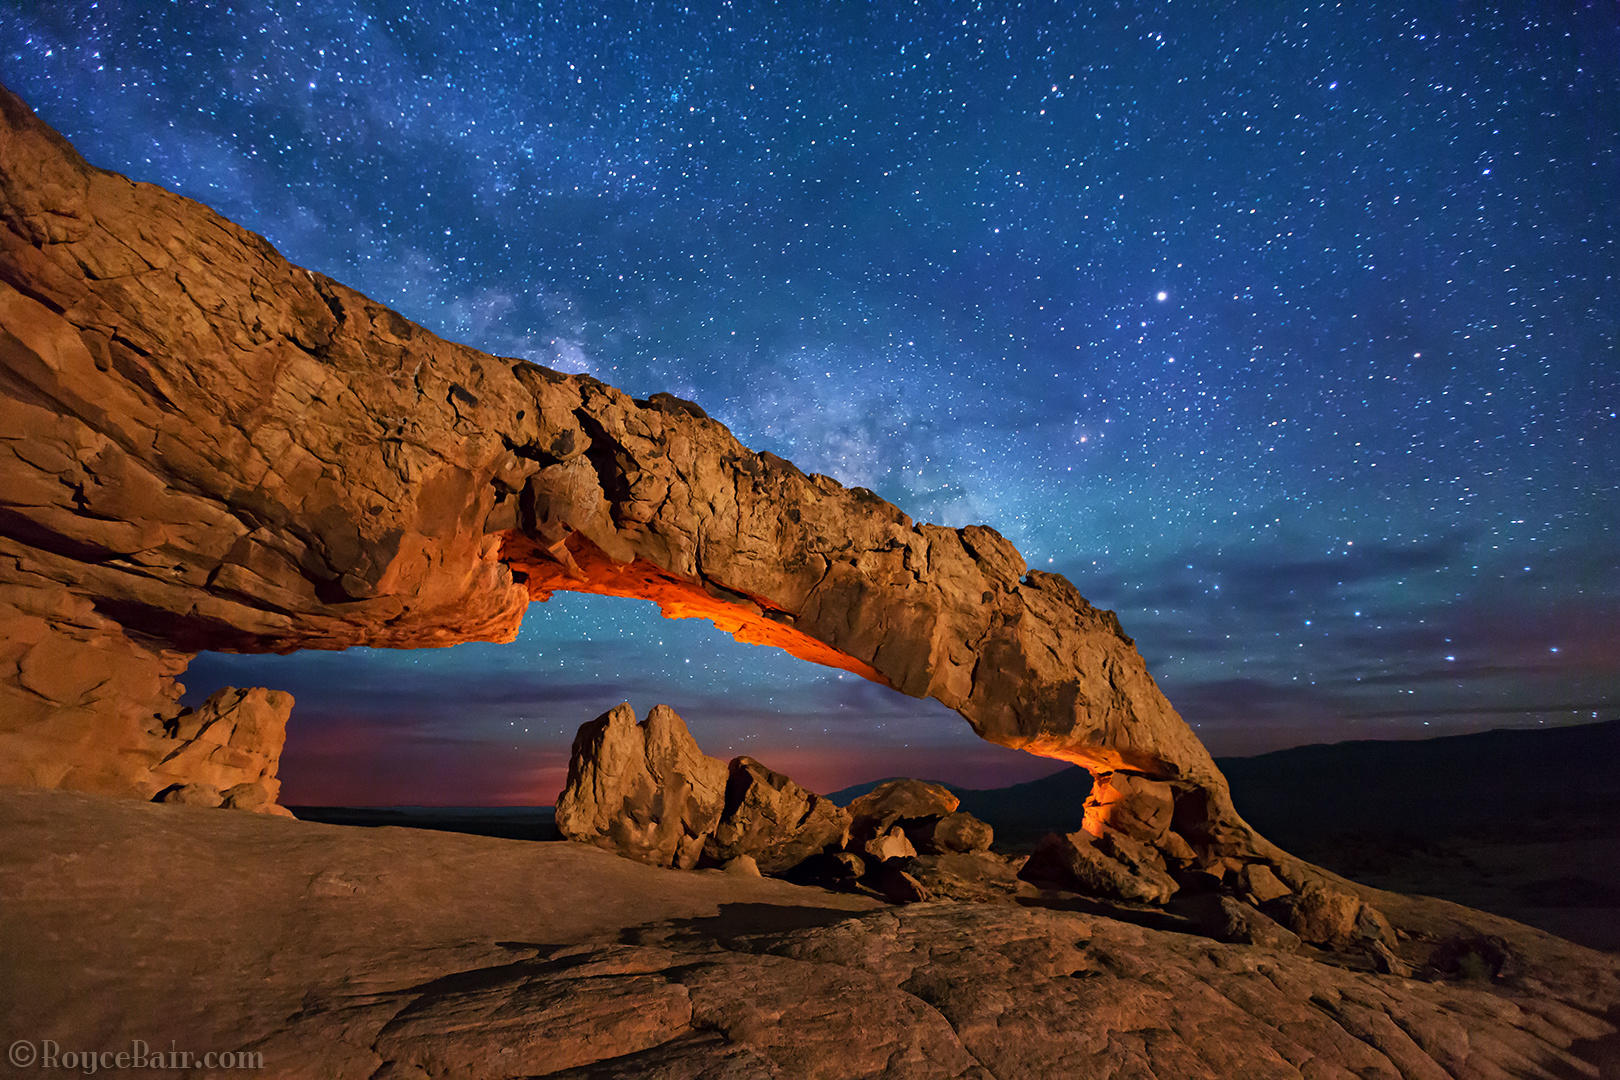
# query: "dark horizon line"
{"points": [[1487, 710], [534, 807]]}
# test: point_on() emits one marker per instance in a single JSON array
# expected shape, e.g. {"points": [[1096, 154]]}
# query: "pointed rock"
{"points": [[643, 790], [230, 744]]}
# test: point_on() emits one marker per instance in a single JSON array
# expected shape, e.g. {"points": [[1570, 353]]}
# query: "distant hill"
{"points": [[1492, 779], [1519, 779]]}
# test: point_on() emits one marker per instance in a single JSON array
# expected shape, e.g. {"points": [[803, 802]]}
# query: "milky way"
{"points": [[1290, 335]]}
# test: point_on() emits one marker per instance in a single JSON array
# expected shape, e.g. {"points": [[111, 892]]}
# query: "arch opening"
{"points": [[486, 724]]}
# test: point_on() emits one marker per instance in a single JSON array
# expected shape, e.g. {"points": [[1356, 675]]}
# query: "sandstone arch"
{"points": [[208, 447]]}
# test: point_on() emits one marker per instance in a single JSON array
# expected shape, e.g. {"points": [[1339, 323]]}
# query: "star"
{"points": [[1414, 268]]}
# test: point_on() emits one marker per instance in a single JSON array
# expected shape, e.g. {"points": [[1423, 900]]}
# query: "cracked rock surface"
{"points": [[388, 953]]}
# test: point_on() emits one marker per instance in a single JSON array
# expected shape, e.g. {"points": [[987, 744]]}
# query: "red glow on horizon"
{"points": [[332, 761]]}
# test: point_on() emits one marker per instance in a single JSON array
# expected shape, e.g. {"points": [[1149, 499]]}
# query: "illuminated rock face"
{"points": [[643, 790], [206, 447]]}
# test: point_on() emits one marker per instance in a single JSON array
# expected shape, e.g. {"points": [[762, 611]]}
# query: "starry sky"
{"points": [[1288, 331]]}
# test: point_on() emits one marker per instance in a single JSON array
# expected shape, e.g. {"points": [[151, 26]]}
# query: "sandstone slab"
{"points": [[440, 951]]}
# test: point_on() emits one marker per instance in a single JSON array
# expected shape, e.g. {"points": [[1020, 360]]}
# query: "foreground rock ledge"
{"points": [[208, 447], [362, 954]]}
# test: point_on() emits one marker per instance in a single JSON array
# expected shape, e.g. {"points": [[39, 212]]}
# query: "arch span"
{"points": [[208, 447]]}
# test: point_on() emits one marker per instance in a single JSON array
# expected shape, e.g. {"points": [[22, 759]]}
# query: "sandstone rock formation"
{"points": [[229, 745], [208, 447], [631, 790], [647, 792], [643, 790], [1130, 804], [773, 819], [909, 808], [893, 844], [896, 800], [1076, 862], [1324, 915], [361, 954], [957, 831], [1260, 885]]}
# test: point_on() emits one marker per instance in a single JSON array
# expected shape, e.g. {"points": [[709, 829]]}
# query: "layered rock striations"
{"points": [[205, 446]]}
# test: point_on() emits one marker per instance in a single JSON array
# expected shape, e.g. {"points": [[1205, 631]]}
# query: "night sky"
{"points": [[1288, 332]]}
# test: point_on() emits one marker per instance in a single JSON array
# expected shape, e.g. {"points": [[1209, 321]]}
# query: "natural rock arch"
{"points": [[208, 447]]}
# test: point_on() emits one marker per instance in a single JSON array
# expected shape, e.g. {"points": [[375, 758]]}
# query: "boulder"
{"points": [[960, 831], [1334, 918], [643, 790], [1176, 850], [1141, 858], [1074, 863], [1372, 927], [895, 799], [912, 804], [1228, 919], [1130, 804], [895, 885], [1318, 913], [1260, 884], [890, 845], [779, 823], [742, 866]]}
